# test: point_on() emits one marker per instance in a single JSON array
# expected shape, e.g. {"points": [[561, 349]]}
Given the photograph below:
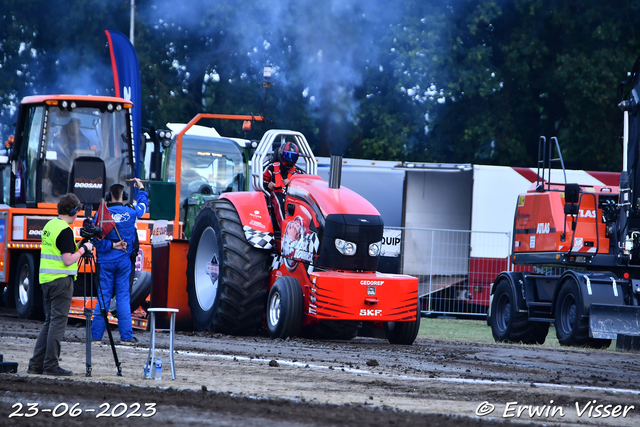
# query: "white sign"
{"points": [[159, 235], [391, 240]]}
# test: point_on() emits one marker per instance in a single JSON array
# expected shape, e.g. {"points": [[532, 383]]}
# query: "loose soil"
{"points": [[255, 381]]}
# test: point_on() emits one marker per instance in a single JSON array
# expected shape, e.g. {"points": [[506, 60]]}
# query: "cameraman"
{"points": [[58, 267], [113, 255]]}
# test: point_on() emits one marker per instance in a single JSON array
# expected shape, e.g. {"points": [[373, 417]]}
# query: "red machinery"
{"points": [[314, 275], [583, 242]]}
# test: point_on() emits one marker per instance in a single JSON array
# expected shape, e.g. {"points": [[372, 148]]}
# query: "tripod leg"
{"points": [[113, 345], [103, 311], [88, 312]]}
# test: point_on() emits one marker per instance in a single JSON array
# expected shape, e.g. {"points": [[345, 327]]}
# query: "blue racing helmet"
{"points": [[289, 153]]}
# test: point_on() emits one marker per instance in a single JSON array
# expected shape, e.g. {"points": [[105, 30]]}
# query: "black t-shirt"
{"points": [[66, 241]]}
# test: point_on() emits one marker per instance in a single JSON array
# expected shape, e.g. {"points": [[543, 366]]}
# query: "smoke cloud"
{"points": [[325, 52]]}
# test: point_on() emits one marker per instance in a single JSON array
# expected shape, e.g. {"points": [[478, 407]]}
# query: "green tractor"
{"points": [[201, 162]]}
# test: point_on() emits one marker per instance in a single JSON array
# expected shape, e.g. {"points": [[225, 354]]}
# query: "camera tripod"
{"points": [[88, 262]]}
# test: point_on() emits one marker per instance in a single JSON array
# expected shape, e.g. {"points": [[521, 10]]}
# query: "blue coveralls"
{"points": [[115, 267]]}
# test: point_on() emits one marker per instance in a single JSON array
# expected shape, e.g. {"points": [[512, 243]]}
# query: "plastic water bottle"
{"points": [[158, 369]]}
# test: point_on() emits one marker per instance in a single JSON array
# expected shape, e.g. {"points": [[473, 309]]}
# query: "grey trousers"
{"points": [[57, 301]]}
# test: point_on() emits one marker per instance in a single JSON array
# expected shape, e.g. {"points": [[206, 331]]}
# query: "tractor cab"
{"points": [[202, 163], [210, 166], [53, 131]]}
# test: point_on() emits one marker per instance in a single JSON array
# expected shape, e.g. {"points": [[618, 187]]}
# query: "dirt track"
{"points": [[224, 380]]}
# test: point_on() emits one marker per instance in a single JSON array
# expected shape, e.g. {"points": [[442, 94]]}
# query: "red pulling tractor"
{"points": [[312, 275]]}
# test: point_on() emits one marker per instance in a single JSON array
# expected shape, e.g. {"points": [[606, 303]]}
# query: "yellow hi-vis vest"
{"points": [[51, 265]]}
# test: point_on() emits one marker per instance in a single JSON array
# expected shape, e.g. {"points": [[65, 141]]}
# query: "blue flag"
{"points": [[126, 78]]}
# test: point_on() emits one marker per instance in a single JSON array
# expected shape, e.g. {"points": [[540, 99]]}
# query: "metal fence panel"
{"points": [[455, 268]]}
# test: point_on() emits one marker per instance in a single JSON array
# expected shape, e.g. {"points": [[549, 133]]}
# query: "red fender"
{"points": [[254, 216]]}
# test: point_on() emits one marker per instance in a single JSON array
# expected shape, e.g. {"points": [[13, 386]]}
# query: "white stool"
{"points": [[152, 341]]}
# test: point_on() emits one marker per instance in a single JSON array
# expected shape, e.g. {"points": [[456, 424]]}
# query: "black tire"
{"points": [[539, 332], [508, 324], [403, 333], [334, 330], [26, 288], [140, 289], [284, 308], [235, 302], [7, 295], [572, 327]]}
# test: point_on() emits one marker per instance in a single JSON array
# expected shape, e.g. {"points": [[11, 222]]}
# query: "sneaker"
{"points": [[132, 341], [35, 370], [59, 372]]}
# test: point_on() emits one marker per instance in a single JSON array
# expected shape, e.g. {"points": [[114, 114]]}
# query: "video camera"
{"points": [[89, 230]]}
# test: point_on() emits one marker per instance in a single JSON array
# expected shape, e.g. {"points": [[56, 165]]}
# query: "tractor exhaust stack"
{"points": [[335, 171]]}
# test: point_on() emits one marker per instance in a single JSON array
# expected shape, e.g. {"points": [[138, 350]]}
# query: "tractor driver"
{"points": [[71, 139], [278, 174]]}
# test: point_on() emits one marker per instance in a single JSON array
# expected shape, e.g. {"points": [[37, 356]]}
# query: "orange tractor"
{"points": [[63, 143], [582, 243], [312, 274]]}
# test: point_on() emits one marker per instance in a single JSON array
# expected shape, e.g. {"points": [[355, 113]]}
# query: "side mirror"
{"points": [[571, 198]]}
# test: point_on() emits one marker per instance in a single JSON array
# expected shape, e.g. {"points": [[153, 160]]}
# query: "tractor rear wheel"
{"points": [[284, 308], [403, 333], [508, 324], [226, 276], [27, 290], [572, 328]]}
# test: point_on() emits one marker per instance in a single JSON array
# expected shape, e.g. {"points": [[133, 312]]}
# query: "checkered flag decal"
{"points": [[258, 239], [276, 262], [315, 242]]}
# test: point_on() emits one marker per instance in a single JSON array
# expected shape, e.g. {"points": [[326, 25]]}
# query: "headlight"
{"points": [[346, 248], [374, 249]]}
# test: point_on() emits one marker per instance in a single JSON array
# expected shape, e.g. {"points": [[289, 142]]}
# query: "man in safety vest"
{"points": [[278, 175], [58, 268]]}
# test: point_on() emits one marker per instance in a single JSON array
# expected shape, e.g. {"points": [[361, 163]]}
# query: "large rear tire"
{"points": [[226, 276], [284, 308], [508, 324], [27, 290], [572, 327], [403, 333]]}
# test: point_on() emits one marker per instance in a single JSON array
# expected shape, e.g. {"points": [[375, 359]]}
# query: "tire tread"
{"points": [[242, 284]]}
